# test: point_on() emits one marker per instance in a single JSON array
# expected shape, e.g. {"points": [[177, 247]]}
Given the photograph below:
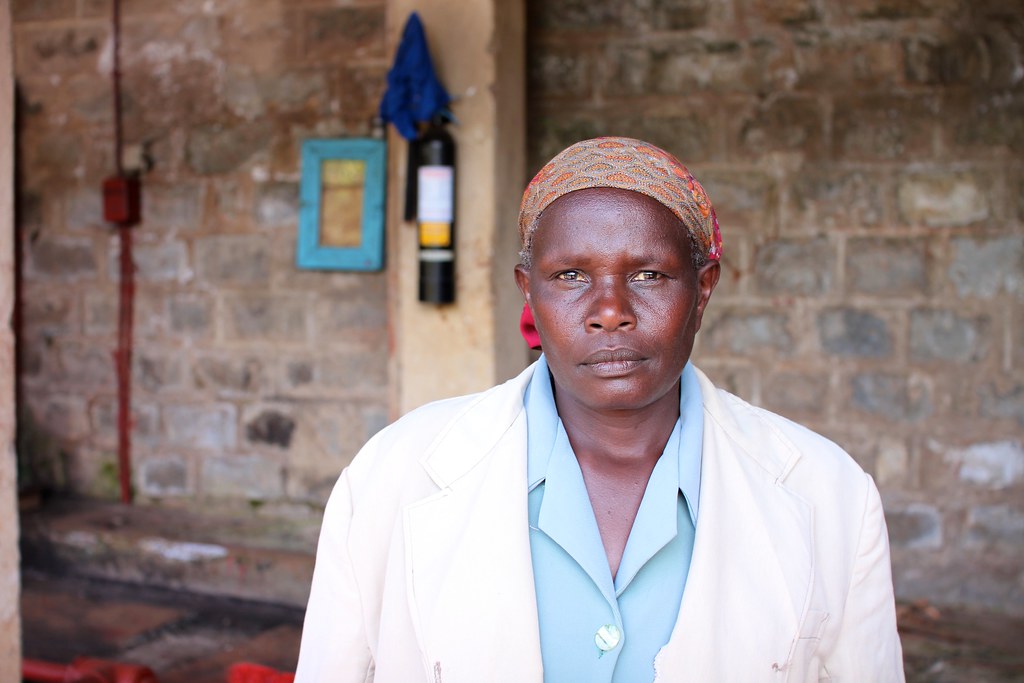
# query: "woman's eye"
{"points": [[570, 276], [647, 275]]}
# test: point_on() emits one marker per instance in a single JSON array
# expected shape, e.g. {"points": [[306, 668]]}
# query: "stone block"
{"points": [[745, 332], [60, 49], [252, 477], [681, 15], [216, 149], [356, 369], [983, 55], [787, 123], [990, 120], [942, 199], [562, 72], [984, 268], [228, 375], [269, 427], [794, 267], [359, 91], [890, 396], [359, 319], [343, 33], [233, 259], [210, 426], [155, 372], [51, 312], [796, 393], [884, 127], [298, 374], [889, 267], [277, 204], [825, 197], [266, 317], [172, 206], [189, 314], [576, 15], [891, 462], [41, 10], [63, 416], [786, 11], [854, 333], [743, 200], [899, 9], [917, 526], [164, 476], [71, 259], [996, 526], [165, 261], [944, 335], [85, 365], [994, 465], [251, 95], [827, 61], [83, 210], [1000, 403]]}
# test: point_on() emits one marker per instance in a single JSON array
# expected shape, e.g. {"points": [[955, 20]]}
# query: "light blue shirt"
{"points": [[578, 602]]}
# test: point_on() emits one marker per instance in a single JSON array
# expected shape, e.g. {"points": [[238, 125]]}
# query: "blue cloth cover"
{"points": [[414, 93]]}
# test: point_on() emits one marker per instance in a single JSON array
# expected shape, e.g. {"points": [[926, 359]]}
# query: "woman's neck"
{"points": [[619, 438]]}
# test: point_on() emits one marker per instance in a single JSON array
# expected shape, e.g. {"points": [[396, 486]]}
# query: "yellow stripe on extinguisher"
{"points": [[435, 234]]}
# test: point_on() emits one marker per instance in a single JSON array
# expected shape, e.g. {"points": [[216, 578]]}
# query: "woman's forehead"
{"points": [[609, 215]]}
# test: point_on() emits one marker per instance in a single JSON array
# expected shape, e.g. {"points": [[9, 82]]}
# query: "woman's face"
{"points": [[615, 297]]}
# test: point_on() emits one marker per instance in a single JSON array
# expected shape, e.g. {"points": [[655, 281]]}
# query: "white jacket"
{"points": [[423, 571]]}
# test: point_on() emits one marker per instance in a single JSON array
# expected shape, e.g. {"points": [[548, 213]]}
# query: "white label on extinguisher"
{"points": [[435, 194]]}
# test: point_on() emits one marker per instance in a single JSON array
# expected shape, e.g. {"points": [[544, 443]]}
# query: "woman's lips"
{"points": [[613, 362]]}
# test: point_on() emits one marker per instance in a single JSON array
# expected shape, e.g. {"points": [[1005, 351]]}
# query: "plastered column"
{"points": [[10, 625], [438, 351]]}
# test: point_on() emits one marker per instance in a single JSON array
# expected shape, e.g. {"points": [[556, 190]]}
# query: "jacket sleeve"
{"points": [[334, 644], [868, 646]]}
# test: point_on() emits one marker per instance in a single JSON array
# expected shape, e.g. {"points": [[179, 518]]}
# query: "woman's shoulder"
{"points": [[787, 449], [398, 448]]}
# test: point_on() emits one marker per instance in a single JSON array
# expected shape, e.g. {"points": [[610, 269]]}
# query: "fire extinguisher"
{"points": [[435, 212]]}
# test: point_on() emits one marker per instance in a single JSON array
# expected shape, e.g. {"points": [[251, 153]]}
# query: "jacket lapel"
{"points": [[752, 567], [469, 572]]}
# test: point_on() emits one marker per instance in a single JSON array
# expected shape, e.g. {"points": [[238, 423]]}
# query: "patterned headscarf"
{"points": [[627, 164]]}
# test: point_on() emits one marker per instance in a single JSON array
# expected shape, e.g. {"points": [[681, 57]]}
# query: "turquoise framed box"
{"points": [[341, 205]]}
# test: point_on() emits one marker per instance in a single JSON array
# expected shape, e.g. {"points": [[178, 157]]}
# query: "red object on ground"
{"points": [[244, 672], [85, 670]]}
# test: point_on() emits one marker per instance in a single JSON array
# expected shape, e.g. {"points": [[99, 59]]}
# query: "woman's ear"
{"points": [[523, 281], [707, 280]]}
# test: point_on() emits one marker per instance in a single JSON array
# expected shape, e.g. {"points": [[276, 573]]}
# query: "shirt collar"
{"points": [[542, 423]]}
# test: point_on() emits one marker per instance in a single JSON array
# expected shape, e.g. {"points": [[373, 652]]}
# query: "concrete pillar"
{"points": [[10, 624], [478, 48]]}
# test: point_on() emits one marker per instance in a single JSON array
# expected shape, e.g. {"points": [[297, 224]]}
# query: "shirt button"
{"points": [[607, 637]]}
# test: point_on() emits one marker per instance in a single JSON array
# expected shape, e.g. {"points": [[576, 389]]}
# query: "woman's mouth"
{"points": [[613, 362]]}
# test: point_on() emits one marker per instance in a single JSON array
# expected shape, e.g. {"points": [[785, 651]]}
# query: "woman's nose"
{"points": [[611, 308]]}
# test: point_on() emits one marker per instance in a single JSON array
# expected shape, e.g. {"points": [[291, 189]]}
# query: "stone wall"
{"points": [[253, 381], [866, 158], [10, 625]]}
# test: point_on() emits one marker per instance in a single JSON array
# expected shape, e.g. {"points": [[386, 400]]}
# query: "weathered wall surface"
{"points": [[252, 380], [866, 159], [10, 625]]}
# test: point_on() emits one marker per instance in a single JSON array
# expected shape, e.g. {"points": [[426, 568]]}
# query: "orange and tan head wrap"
{"points": [[626, 164]]}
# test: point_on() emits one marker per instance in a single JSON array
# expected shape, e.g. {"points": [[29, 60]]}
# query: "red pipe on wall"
{"points": [[123, 355]]}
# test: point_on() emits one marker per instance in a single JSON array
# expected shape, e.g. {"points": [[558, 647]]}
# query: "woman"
{"points": [[608, 515]]}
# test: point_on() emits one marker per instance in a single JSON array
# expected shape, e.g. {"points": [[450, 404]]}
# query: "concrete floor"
{"points": [[188, 638], [184, 638]]}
